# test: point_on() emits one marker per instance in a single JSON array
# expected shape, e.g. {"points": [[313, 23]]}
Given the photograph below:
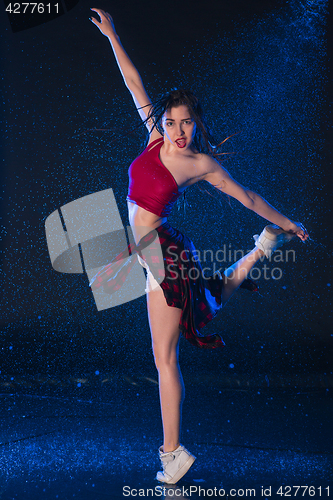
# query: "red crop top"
{"points": [[152, 186]]}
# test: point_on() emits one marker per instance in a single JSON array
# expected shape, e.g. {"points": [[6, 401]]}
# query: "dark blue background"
{"points": [[260, 68]]}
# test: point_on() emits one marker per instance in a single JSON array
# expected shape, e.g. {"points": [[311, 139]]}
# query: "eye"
{"points": [[188, 122], [169, 123]]}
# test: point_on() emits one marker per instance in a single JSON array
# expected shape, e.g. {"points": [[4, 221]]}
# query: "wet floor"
{"points": [[100, 441]]}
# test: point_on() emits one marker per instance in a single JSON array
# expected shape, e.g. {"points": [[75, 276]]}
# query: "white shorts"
{"points": [[151, 283]]}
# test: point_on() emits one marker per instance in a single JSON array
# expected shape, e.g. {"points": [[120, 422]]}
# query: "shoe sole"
{"points": [[182, 471]]}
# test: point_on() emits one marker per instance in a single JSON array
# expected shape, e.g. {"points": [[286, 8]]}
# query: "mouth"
{"points": [[181, 143]]}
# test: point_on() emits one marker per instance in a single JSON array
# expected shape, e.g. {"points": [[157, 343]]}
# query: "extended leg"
{"points": [[236, 274], [271, 238]]}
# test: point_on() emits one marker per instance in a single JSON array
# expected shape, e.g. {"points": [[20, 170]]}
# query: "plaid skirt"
{"points": [[180, 276], [185, 286]]}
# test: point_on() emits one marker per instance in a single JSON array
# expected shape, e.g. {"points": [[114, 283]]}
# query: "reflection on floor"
{"points": [[97, 437]]}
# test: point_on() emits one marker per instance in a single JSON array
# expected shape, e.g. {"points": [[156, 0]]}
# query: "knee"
{"points": [[165, 358]]}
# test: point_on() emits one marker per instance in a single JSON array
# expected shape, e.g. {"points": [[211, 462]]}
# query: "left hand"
{"points": [[298, 229]]}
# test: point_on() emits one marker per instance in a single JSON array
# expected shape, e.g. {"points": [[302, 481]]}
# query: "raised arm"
{"points": [[222, 180], [129, 72]]}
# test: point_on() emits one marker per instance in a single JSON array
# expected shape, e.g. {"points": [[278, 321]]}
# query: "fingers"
{"points": [[302, 232], [105, 21], [303, 235], [101, 13], [97, 12]]}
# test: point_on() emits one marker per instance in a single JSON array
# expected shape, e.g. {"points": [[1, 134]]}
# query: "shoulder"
{"points": [[213, 172], [210, 166]]}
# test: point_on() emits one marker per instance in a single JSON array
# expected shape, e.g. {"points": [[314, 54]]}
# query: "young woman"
{"points": [[179, 154]]}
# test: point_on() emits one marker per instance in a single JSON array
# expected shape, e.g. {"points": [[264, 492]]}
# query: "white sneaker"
{"points": [[271, 238], [175, 464]]}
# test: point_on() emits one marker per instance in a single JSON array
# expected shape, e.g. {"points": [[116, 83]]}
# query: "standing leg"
{"points": [[164, 326]]}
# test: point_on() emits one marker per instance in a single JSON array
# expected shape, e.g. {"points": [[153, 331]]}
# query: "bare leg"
{"points": [[236, 274], [164, 327]]}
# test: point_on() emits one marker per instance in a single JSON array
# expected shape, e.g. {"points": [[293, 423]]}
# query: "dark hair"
{"points": [[203, 139]]}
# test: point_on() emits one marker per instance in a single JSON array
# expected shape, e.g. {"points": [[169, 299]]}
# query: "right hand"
{"points": [[298, 229], [106, 25]]}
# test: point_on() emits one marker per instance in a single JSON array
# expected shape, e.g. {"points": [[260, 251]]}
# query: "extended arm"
{"points": [[129, 72], [222, 180]]}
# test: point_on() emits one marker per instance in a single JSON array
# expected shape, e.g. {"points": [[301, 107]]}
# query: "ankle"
{"points": [[258, 253], [169, 448]]}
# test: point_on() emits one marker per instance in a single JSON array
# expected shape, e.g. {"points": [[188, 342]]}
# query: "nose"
{"points": [[180, 130]]}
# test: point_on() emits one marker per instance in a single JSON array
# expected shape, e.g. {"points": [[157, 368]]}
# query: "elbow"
{"points": [[250, 200], [129, 84], [132, 84]]}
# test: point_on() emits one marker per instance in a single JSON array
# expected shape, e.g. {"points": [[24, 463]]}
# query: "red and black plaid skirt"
{"points": [[185, 286], [183, 283]]}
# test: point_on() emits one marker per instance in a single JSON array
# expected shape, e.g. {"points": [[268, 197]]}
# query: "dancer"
{"points": [[180, 153]]}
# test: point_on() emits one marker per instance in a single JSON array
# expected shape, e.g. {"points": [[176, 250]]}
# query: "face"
{"points": [[179, 128]]}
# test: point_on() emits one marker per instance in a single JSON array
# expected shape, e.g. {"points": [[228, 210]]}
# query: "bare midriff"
{"points": [[142, 221]]}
